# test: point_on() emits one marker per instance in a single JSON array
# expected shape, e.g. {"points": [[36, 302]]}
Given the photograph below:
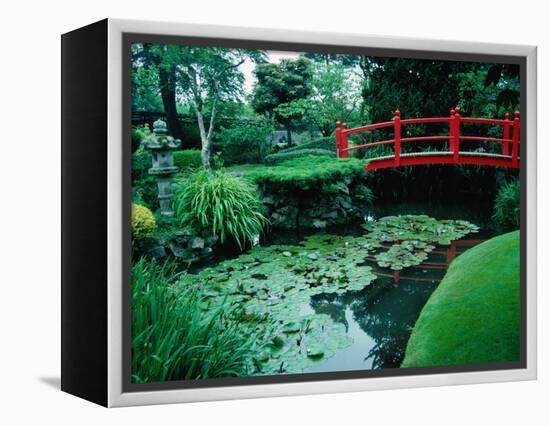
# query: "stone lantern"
{"points": [[161, 146]]}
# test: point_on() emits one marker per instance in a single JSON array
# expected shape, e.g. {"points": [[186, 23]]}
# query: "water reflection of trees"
{"points": [[384, 312]]}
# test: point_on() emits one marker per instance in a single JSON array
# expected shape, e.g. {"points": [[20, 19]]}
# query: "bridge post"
{"points": [[344, 142], [506, 134], [338, 137], [456, 135], [451, 130], [397, 137], [515, 140]]}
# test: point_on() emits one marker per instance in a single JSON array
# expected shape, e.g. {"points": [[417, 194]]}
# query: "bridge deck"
{"points": [[441, 157]]}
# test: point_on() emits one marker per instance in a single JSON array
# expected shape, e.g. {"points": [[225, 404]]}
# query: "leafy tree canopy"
{"points": [[281, 89]]}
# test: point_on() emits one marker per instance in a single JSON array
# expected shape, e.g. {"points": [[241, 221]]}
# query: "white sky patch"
{"points": [[273, 56]]}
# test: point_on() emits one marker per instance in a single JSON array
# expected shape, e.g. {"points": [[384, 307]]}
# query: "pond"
{"points": [[343, 299]]}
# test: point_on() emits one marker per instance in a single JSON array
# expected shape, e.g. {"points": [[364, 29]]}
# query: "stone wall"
{"points": [[182, 244], [344, 202]]}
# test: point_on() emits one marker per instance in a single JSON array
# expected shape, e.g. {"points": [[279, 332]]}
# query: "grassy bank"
{"points": [[305, 173], [474, 315]]}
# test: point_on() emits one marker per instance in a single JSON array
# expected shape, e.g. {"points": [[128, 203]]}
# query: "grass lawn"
{"points": [[474, 315]]}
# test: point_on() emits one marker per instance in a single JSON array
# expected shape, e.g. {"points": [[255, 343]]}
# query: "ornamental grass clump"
{"points": [[221, 204], [506, 212], [173, 338], [143, 222]]}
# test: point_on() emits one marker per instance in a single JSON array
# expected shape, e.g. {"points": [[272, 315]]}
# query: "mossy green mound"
{"points": [[474, 315]]}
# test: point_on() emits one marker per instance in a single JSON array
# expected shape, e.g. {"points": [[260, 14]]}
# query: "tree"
{"points": [[332, 58], [207, 75], [149, 65], [505, 78], [418, 88], [335, 95], [282, 89]]}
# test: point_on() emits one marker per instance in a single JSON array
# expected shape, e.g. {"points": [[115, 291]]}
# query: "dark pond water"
{"points": [[380, 317]]}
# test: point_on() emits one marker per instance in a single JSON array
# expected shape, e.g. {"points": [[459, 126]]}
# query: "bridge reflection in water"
{"points": [[453, 250]]}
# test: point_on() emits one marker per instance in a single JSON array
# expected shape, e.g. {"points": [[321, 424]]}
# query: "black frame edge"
{"points": [[84, 212]]}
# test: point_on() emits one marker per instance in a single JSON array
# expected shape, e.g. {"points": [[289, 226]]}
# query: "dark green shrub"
{"points": [[141, 163], [188, 159], [296, 153], [506, 212], [246, 143], [144, 186], [173, 338], [138, 134], [145, 192], [222, 204], [328, 143]]}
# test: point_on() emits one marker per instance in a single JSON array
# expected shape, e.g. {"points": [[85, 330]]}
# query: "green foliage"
{"points": [[187, 160], [144, 186], [336, 95], [246, 143], [506, 77], [419, 88], [145, 192], [307, 172], [138, 134], [281, 89], [506, 212], [296, 153], [173, 338], [363, 193], [473, 317], [143, 222], [483, 96], [141, 163], [222, 204], [145, 87], [327, 143]]}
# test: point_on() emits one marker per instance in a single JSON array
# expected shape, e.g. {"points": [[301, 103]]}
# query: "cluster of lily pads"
{"points": [[412, 237], [272, 285]]}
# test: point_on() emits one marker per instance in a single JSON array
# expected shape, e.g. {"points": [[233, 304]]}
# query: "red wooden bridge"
{"points": [[508, 156]]}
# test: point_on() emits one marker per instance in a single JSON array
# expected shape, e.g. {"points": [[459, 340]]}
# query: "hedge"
{"points": [[299, 153]]}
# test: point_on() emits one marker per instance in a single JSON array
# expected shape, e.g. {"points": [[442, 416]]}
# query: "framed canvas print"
{"points": [[252, 212]]}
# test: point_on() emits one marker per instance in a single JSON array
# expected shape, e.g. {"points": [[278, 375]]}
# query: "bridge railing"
{"points": [[510, 145]]}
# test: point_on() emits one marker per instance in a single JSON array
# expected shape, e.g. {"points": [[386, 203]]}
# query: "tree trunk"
{"points": [[288, 135], [167, 83], [205, 142]]}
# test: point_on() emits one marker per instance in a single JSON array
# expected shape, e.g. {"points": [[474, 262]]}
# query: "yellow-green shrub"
{"points": [[143, 222]]}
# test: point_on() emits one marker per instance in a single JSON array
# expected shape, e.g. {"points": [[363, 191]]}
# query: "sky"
{"points": [[273, 56]]}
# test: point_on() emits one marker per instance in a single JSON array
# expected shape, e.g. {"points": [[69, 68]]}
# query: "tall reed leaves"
{"points": [[173, 338], [225, 205]]}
